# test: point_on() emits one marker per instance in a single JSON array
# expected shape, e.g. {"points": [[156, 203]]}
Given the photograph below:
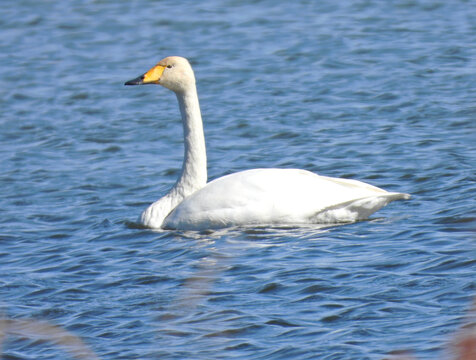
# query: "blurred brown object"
{"points": [[464, 345], [43, 331]]}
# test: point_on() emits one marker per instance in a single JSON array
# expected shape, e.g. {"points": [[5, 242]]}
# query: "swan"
{"points": [[251, 197]]}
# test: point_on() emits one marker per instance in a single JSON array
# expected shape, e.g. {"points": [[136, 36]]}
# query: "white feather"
{"points": [[252, 197], [277, 196]]}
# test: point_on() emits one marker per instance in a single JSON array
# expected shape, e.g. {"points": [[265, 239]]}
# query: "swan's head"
{"points": [[173, 72]]}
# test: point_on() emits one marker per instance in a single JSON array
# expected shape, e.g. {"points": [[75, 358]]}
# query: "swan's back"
{"points": [[277, 196]]}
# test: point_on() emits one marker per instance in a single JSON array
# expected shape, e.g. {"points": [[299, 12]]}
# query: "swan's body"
{"points": [[252, 197]]}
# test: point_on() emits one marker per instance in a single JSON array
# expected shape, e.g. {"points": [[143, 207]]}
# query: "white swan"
{"points": [[251, 197]]}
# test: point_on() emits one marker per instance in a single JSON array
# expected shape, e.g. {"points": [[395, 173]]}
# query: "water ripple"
{"points": [[378, 91]]}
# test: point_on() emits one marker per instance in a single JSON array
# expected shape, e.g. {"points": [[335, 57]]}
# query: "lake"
{"points": [[379, 91]]}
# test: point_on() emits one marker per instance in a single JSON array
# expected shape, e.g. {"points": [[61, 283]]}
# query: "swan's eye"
{"points": [[169, 66]]}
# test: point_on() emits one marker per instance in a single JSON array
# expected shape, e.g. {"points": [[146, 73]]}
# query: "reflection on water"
{"points": [[196, 287]]}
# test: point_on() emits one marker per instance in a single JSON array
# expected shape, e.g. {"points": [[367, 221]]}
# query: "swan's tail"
{"points": [[357, 209]]}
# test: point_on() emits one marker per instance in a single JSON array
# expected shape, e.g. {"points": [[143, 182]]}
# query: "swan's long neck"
{"points": [[194, 169]]}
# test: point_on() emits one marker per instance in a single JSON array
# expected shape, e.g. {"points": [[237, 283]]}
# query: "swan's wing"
{"points": [[356, 209], [277, 196]]}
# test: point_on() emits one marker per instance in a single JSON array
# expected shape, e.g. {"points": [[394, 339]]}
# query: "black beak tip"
{"points": [[137, 81]]}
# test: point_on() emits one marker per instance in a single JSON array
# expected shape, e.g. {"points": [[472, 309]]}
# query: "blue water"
{"points": [[380, 91]]}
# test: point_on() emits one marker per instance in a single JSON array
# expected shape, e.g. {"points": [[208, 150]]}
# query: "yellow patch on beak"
{"points": [[153, 75]]}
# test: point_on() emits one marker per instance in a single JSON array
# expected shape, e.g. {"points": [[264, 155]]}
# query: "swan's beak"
{"points": [[150, 77]]}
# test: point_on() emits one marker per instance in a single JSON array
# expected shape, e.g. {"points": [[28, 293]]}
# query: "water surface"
{"points": [[377, 91]]}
